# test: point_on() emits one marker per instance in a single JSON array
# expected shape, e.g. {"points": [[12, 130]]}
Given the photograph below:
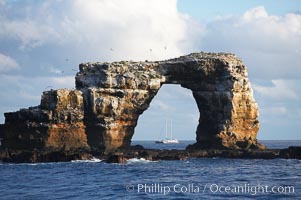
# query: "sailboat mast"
{"points": [[171, 129], [166, 128]]}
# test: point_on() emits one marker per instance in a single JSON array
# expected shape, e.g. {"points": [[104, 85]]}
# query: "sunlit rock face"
{"points": [[103, 111], [116, 94], [56, 124]]}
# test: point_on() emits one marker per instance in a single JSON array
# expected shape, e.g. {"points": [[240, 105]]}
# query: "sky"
{"points": [[42, 43]]}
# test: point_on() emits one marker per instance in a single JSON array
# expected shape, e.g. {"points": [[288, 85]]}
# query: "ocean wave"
{"points": [[85, 161], [29, 164], [138, 160]]}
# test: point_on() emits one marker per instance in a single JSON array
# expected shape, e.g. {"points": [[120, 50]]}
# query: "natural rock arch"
{"points": [[116, 94], [103, 111]]}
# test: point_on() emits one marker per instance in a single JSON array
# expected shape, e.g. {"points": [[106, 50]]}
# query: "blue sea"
{"points": [[204, 178]]}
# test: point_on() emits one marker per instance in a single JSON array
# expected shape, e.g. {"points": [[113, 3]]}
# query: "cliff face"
{"points": [[57, 124], [111, 96], [115, 95]]}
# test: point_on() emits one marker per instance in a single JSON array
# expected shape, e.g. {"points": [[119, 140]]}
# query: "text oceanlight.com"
{"points": [[165, 189]]}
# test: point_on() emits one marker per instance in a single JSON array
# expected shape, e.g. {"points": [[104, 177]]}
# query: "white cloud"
{"points": [[30, 33], [159, 105], [255, 13], [28, 83], [275, 110], [55, 70], [167, 97], [7, 63], [62, 82], [135, 29], [26, 91], [269, 45], [280, 90]]}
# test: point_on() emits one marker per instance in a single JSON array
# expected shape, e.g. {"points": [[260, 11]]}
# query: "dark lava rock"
{"points": [[292, 152], [137, 147], [116, 158]]}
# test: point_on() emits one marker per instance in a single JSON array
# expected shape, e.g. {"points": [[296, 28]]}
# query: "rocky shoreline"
{"points": [[139, 152]]}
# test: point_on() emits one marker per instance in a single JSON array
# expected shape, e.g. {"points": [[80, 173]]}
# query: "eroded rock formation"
{"points": [[56, 124], [110, 97]]}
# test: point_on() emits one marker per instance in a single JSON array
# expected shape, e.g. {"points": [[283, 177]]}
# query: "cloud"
{"points": [[160, 105], [22, 82], [280, 90], [62, 82], [255, 13], [55, 70], [108, 29], [268, 44], [7, 63], [275, 110], [29, 33], [171, 98], [22, 92]]}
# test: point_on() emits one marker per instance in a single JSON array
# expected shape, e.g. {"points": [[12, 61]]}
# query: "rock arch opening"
{"points": [[172, 102]]}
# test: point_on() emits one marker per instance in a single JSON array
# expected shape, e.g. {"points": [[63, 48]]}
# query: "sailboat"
{"points": [[168, 140]]}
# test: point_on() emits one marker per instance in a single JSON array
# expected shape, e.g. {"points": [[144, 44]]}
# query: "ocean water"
{"points": [[271, 144], [204, 178]]}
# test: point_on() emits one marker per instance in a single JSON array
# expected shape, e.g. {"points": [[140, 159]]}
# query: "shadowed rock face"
{"points": [[110, 97]]}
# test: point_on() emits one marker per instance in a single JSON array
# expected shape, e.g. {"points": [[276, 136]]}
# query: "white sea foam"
{"points": [[84, 161], [31, 164], [138, 160]]}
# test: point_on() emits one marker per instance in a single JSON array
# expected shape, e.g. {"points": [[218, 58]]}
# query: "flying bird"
{"points": [[48, 87]]}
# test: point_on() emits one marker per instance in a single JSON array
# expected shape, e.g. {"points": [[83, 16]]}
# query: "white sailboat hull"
{"points": [[168, 141]]}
